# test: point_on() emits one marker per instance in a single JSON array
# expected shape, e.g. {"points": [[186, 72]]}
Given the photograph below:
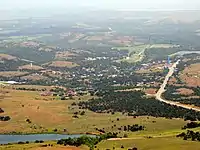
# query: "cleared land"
{"points": [[191, 75], [185, 91], [63, 64], [151, 91]]}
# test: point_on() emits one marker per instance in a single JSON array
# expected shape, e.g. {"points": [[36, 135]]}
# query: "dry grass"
{"points": [[151, 91], [36, 146], [184, 91], [167, 143], [29, 67], [7, 57], [47, 114], [12, 73], [62, 64], [191, 75], [193, 69]]}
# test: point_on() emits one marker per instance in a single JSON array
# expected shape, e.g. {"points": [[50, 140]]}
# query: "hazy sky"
{"points": [[105, 4]]}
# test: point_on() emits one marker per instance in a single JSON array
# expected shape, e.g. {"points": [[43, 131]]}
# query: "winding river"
{"points": [[5, 139]]}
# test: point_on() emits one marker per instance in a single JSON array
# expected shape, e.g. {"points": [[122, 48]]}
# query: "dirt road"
{"points": [[162, 90]]}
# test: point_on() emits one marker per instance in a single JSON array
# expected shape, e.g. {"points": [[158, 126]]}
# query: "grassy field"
{"points": [[47, 114], [167, 143], [191, 75], [136, 53], [22, 105], [36, 146], [159, 143]]}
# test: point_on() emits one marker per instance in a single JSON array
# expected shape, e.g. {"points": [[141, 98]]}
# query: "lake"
{"points": [[5, 139]]}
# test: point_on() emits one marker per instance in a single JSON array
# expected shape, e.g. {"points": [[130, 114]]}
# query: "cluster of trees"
{"points": [[191, 125], [78, 113], [133, 128], [4, 118], [190, 135], [136, 104], [86, 140]]}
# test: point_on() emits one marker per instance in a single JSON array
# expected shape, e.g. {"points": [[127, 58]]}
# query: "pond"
{"points": [[5, 139]]}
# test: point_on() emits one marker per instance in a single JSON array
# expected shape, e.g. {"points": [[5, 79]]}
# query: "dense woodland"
{"points": [[136, 104]]}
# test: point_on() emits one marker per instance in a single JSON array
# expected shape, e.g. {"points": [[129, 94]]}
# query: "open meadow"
{"points": [[191, 75], [49, 113], [159, 143]]}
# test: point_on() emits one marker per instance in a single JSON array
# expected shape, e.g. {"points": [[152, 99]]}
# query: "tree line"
{"points": [[134, 103]]}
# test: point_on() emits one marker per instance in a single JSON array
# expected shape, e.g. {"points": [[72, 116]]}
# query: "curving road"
{"points": [[162, 90]]}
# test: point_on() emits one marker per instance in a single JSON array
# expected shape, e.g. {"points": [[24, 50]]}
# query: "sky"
{"points": [[103, 4]]}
